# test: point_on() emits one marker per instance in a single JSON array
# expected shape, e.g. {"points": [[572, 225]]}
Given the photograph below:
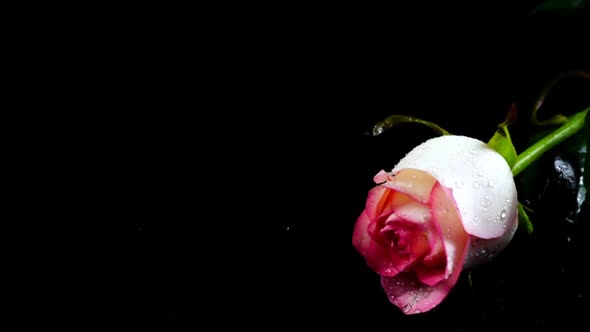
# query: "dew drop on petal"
{"points": [[480, 173], [492, 184], [459, 184], [407, 307], [475, 184], [475, 218], [485, 209], [503, 214], [507, 200], [388, 270]]}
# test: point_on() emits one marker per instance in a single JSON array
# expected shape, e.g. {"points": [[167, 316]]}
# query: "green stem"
{"points": [[528, 156]]}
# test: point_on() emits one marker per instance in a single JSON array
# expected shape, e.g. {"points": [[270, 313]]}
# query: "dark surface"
{"points": [[240, 192]]}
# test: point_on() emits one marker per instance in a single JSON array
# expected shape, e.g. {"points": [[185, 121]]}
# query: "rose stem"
{"points": [[528, 156]]}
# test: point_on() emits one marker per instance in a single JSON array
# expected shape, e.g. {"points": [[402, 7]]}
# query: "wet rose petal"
{"points": [[378, 257], [415, 183], [455, 238], [410, 295], [376, 201]]}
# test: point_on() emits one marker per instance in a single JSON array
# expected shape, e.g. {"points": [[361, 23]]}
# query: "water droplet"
{"points": [[480, 173], [417, 311], [475, 218], [459, 184], [507, 200], [482, 203], [492, 184], [484, 251], [388, 271], [504, 225], [503, 214], [475, 184], [485, 209], [407, 307]]}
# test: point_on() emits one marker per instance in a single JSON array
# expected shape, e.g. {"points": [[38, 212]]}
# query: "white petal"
{"points": [[479, 177], [482, 250]]}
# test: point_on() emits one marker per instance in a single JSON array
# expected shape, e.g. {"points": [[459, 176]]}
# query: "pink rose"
{"points": [[448, 205]]}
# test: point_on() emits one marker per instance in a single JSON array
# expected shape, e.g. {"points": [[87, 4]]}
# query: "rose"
{"points": [[448, 205]]}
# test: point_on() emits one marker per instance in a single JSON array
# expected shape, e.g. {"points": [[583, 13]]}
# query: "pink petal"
{"points": [[432, 269], [455, 239], [377, 257], [376, 201], [431, 274], [406, 290], [412, 241], [381, 177], [411, 296], [415, 183], [407, 208]]}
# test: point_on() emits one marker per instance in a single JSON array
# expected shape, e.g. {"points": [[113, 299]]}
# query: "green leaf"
{"points": [[523, 219], [397, 119], [561, 6], [501, 141]]}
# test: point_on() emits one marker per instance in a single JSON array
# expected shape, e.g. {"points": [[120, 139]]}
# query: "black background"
{"points": [[237, 159]]}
